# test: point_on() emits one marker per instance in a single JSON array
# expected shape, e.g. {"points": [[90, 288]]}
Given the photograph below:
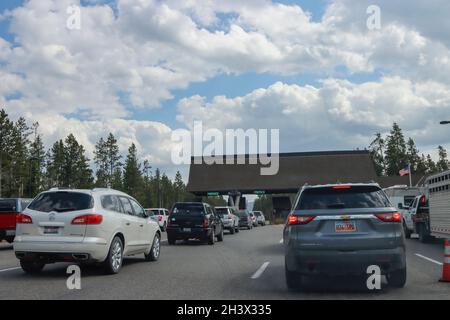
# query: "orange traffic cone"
{"points": [[446, 265]]}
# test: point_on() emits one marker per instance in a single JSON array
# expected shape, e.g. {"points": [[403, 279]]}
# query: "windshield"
{"points": [[151, 213], [352, 197], [62, 202], [188, 208]]}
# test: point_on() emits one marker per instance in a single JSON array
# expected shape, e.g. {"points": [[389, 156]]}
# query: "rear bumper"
{"points": [[314, 262], [7, 233], [228, 224], [95, 248], [195, 233], [244, 224]]}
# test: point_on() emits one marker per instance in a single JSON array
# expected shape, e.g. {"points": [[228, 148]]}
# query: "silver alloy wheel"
{"points": [[116, 256], [156, 247]]}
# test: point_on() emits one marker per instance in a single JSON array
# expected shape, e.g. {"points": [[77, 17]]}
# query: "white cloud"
{"points": [[337, 115]]}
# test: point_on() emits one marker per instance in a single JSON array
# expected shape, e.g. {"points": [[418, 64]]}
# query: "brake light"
{"points": [[159, 218], [342, 187], [23, 219], [423, 200], [295, 220], [390, 217], [168, 222], [205, 223], [88, 219]]}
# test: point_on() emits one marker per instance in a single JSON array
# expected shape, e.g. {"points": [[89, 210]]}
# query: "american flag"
{"points": [[404, 171]]}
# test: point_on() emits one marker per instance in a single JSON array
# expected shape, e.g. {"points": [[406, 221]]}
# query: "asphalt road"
{"points": [[247, 265]]}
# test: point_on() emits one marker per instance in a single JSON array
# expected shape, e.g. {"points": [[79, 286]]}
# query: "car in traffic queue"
{"points": [[98, 226], [342, 229], [253, 219], [229, 218], [161, 215], [245, 221], [9, 209], [260, 218], [194, 220]]}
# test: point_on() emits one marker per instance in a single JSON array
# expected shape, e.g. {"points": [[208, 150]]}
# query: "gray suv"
{"points": [[342, 229]]}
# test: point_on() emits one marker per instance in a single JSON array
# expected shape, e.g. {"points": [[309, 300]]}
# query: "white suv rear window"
{"points": [[62, 201]]}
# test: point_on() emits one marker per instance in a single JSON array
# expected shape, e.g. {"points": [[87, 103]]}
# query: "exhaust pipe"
{"points": [[80, 256]]}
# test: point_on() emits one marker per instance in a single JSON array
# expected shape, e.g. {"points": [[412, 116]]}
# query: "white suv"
{"points": [[98, 226], [162, 215]]}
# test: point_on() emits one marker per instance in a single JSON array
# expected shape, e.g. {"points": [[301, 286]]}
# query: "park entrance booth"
{"points": [[295, 170]]}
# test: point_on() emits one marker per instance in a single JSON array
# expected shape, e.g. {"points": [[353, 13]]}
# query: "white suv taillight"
{"points": [[23, 219], [88, 219]]}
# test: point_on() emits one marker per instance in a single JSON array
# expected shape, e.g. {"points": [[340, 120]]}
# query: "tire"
{"points": [[212, 238], [232, 230], [9, 239], [237, 229], [397, 279], [171, 241], [32, 267], [293, 279], [249, 227], [407, 232], [155, 251], [220, 235], [113, 262]]}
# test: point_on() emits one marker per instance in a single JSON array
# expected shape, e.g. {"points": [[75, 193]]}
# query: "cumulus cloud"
{"points": [[144, 50], [337, 115]]}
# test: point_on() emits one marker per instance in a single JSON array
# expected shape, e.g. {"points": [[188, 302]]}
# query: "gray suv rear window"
{"points": [[62, 202], [353, 197], [8, 205]]}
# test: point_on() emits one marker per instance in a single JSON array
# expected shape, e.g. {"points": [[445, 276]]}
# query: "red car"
{"points": [[9, 208]]}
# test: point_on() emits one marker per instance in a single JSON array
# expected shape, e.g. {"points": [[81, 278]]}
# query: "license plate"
{"points": [[187, 229], [51, 230], [345, 226]]}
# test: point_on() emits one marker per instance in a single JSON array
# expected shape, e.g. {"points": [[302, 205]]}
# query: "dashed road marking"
{"points": [[429, 259], [9, 269], [260, 271]]}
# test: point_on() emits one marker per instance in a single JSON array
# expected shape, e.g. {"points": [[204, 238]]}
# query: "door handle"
{"points": [[128, 223], [141, 225]]}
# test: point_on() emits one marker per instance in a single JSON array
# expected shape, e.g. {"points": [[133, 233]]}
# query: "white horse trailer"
{"points": [[439, 195]]}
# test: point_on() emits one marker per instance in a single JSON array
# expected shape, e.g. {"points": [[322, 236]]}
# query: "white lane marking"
{"points": [[260, 271], [281, 241], [429, 259], [9, 269]]}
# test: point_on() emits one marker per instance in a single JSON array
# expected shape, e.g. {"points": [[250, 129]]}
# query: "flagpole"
{"points": [[410, 173]]}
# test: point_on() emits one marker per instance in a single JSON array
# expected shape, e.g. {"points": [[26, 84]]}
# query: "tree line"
{"points": [[394, 152], [27, 168]]}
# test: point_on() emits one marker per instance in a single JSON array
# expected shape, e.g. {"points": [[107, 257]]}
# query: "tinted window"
{"points": [[8, 205], [258, 214], [154, 212], [126, 205], [222, 211], [62, 202], [111, 203], [241, 213], [150, 213], [24, 204], [138, 210], [354, 197], [188, 208]]}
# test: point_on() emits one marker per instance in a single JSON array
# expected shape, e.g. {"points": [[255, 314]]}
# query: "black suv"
{"points": [[194, 220]]}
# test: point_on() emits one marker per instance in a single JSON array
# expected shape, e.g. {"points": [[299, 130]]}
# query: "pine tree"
{"points": [[412, 155], [376, 148], [132, 179], [179, 186], [37, 163], [395, 156], [442, 164], [77, 172], [107, 158], [6, 144], [431, 166]]}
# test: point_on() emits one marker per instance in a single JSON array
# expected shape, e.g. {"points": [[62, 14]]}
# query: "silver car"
{"points": [[85, 226], [260, 218], [343, 229], [229, 218]]}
